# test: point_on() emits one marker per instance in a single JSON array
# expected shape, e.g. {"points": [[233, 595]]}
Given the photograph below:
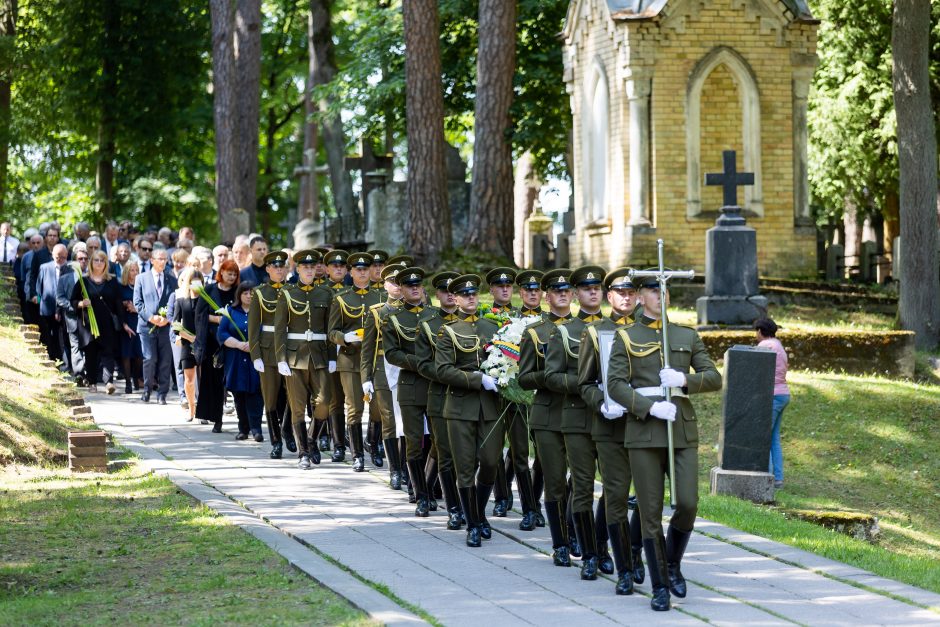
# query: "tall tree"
{"points": [[248, 72], [307, 205], [107, 125], [8, 10], [490, 228], [429, 229], [331, 123], [228, 193], [919, 305]]}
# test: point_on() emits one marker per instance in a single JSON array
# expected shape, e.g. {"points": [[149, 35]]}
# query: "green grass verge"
{"points": [[864, 444], [131, 548]]}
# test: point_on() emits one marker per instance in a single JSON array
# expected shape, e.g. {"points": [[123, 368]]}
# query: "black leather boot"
{"points": [[430, 480], [421, 488], [655, 558], [277, 451], [604, 562], [394, 464], [483, 496], [468, 498], [359, 456], [501, 502], [375, 438], [529, 506], [451, 498], [559, 538], [584, 526], [274, 427], [338, 424], [287, 433], [676, 543], [300, 436], [636, 546], [616, 533]]}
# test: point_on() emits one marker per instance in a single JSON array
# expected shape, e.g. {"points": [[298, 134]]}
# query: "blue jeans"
{"points": [[776, 450]]}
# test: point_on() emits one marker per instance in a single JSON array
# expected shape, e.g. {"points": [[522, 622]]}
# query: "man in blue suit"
{"points": [[68, 315], [46, 285], [153, 291]]}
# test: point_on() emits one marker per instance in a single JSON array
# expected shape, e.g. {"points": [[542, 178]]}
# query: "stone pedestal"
{"points": [[757, 487], [731, 286]]}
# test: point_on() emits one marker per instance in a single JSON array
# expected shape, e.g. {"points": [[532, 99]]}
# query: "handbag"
{"points": [[218, 360]]}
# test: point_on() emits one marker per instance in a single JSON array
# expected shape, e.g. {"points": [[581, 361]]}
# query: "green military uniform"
{"points": [[347, 316], [425, 351], [472, 412], [372, 369], [379, 259], [400, 334], [336, 396], [545, 418], [612, 458], [561, 377], [261, 346], [634, 382], [301, 344]]}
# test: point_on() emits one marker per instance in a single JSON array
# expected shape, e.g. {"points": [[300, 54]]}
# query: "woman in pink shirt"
{"points": [[767, 338]]}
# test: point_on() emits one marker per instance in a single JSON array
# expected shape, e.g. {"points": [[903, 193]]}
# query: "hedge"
{"points": [[888, 353]]}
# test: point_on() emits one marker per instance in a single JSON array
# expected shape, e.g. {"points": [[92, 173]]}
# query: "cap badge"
{"points": [[590, 275]]}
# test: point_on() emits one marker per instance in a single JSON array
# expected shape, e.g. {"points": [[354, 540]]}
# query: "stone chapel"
{"points": [[658, 89]]}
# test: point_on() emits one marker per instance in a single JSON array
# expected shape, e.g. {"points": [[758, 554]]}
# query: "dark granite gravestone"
{"points": [[835, 262], [731, 288], [747, 420], [747, 408]]}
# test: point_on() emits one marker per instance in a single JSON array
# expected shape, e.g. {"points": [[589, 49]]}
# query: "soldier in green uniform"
{"points": [[300, 320], [471, 405], [347, 327], [261, 343], [374, 381], [607, 430], [545, 419], [425, 351], [335, 280], [636, 379], [561, 377], [379, 259], [530, 293], [400, 334]]}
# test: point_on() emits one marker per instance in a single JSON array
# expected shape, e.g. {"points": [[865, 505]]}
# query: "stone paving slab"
{"points": [[356, 520]]}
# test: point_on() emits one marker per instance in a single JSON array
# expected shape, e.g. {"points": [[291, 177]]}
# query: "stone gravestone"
{"points": [[835, 262], [747, 420], [868, 262], [731, 288]]}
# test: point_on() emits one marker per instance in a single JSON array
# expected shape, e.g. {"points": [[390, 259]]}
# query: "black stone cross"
{"points": [[730, 179]]}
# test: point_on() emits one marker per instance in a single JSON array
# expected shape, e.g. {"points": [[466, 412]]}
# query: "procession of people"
{"points": [[460, 395]]}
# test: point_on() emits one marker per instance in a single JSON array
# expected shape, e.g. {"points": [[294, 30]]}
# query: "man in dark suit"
{"points": [[68, 315], [256, 271], [46, 284], [153, 293]]}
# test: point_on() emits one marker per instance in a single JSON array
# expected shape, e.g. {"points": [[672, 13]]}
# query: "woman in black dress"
{"points": [[184, 323], [206, 347], [104, 299], [132, 358]]}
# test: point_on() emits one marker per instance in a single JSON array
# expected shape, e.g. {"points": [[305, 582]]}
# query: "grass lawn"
{"points": [[866, 444]]}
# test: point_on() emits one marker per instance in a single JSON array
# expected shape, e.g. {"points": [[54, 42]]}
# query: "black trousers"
{"points": [[99, 360]]}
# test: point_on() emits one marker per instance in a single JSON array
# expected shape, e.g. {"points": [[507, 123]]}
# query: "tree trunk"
{"points": [[919, 304], [429, 225], [248, 75], [307, 206], [491, 224], [8, 11], [334, 139], [104, 171], [227, 191]]}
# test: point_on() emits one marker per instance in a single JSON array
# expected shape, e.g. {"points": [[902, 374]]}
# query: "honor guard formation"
{"points": [[588, 393]]}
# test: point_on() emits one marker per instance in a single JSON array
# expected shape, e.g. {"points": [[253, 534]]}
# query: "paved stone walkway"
{"points": [[347, 530]]}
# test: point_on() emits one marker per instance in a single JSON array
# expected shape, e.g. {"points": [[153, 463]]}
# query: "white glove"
{"points": [[259, 365], [600, 386], [351, 337], [489, 383], [331, 367], [671, 378], [611, 413], [283, 368], [367, 388], [663, 411]]}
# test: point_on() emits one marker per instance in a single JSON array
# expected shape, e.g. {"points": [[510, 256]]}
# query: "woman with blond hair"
{"points": [[132, 357], [184, 316], [104, 304]]}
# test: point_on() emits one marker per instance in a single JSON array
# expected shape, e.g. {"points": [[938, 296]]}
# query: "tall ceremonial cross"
{"points": [[730, 180]]}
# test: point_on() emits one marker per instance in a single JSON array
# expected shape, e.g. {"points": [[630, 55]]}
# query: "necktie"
{"points": [[4, 249], [159, 285]]}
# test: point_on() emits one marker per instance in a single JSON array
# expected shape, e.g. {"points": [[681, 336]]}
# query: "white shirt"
{"points": [[8, 252]]}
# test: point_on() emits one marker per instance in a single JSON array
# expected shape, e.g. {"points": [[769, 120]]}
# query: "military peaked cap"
{"points": [[501, 276], [618, 279], [306, 256], [557, 279], [587, 275], [465, 284], [277, 258]]}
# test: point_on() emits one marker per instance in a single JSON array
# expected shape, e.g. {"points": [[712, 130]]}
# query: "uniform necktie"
{"points": [[591, 318], [363, 291]]}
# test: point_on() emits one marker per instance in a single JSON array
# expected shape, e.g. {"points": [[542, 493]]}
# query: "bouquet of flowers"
{"points": [[92, 321], [180, 329], [162, 313], [502, 361], [219, 311]]}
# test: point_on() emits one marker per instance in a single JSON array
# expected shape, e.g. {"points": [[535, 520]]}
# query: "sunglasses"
{"points": [[144, 248]]}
